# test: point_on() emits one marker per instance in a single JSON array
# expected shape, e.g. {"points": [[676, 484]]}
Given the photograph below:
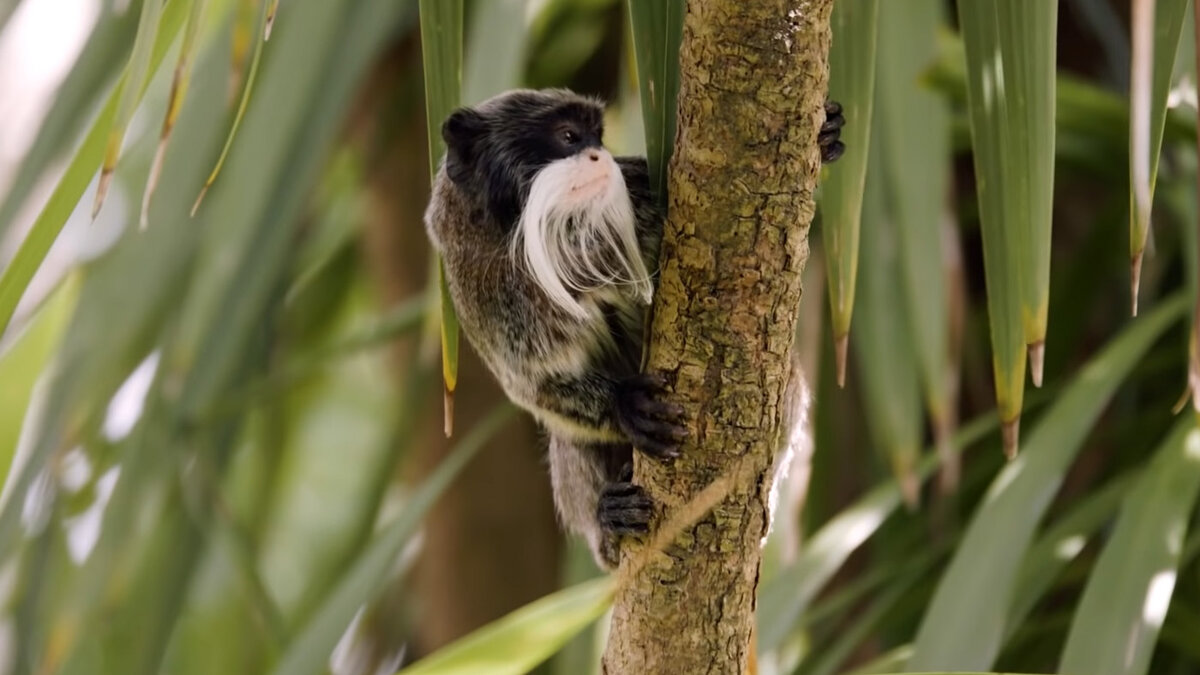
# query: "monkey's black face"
{"points": [[495, 150]]}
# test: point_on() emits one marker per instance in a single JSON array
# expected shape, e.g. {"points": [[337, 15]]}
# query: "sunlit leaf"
{"points": [[1123, 607], [73, 182], [964, 624], [516, 643]]}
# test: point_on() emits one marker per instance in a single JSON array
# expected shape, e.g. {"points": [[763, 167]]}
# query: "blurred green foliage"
{"points": [[210, 428]]}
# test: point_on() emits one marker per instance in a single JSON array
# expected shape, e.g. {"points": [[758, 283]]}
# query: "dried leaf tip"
{"points": [[1135, 281], [1010, 432], [152, 180], [199, 198], [270, 23], [951, 469], [910, 489], [841, 346], [448, 412], [101, 190], [1037, 357]]}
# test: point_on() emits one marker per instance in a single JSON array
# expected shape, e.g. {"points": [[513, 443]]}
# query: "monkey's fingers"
{"points": [[624, 508], [831, 152], [833, 123]]}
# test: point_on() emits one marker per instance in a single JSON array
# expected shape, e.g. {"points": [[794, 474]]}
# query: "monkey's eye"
{"points": [[569, 137]]}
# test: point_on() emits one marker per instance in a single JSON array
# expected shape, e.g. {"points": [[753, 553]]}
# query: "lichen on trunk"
{"points": [[753, 79]]}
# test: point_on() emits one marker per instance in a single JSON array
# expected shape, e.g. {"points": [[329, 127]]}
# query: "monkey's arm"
{"points": [[592, 406]]}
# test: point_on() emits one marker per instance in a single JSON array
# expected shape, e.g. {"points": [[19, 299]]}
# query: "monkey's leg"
{"points": [[588, 500]]}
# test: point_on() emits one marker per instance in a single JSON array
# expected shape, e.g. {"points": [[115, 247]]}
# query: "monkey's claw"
{"points": [[831, 131], [653, 425], [624, 508]]}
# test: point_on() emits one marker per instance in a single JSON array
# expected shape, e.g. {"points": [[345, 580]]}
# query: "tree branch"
{"points": [[753, 79]]}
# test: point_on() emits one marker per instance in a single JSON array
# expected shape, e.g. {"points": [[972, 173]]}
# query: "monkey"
{"points": [[549, 244]]}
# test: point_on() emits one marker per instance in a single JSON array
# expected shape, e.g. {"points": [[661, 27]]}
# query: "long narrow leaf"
{"points": [[520, 641], [964, 624], [24, 360], [441, 51], [852, 84], [1129, 591], [914, 149], [311, 646], [657, 34], [1059, 546], [73, 182], [247, 89], [1157, 27], [889, 378], [496, 56], [137, 73], [89, 80], [1010, 75], [179, 86], [786, 596]]}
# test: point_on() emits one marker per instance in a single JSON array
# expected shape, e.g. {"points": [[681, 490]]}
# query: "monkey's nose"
{"points": [[594, 156]]}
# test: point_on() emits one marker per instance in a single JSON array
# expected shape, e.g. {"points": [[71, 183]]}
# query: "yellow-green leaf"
{"points": [[516, 643], [74, 181], [1010, 94], [441, 51]]}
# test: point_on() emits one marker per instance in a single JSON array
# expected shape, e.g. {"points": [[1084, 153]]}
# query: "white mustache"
{"points": [[576, 232]]}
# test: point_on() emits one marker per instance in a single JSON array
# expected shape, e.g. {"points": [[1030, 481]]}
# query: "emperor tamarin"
{"points": [[550, 244]]}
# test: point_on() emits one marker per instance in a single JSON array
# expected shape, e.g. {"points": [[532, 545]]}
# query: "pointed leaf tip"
{"points": [[910, 489], [106, 176], [840, 345], [951, 469], [448, 411], [270, 19], [1037, 356], [1011, 432], [1135, 281], [199, 198], [152, 181]]}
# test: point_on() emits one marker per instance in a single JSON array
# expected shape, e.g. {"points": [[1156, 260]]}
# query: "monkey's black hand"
{"points": [[624, 507], [831, 131], [653, 425]]}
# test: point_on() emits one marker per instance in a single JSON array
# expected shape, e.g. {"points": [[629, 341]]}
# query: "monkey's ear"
{"points": [[461, 131]]}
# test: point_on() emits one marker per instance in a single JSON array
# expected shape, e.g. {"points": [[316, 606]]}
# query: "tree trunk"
{"points": [[753, 80]]}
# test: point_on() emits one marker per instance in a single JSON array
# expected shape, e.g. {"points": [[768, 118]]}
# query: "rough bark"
{"points": [[753, 81]]}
